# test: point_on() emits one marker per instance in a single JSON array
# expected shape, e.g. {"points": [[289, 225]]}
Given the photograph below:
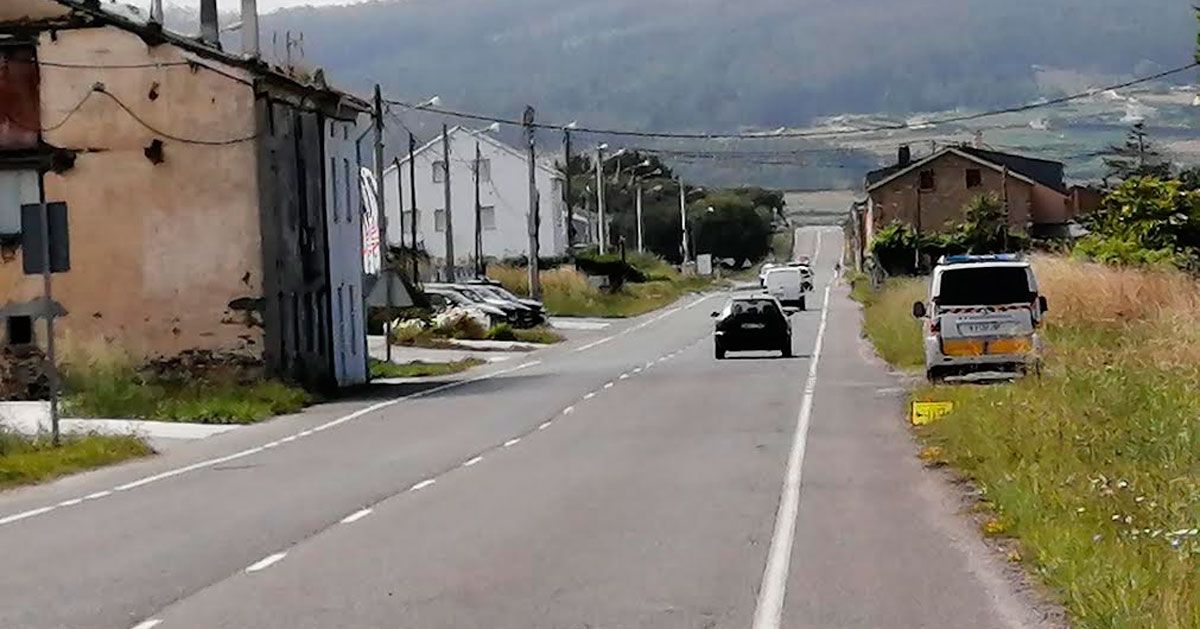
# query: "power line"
{"points": [[810, 133], [201, 142]]}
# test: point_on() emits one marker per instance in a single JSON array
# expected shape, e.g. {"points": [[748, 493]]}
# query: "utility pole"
{"points": [[683, 235], [917, 244], [1007, 211], [412, 191], [478, 217], [640, 245], [384, 270], [449, 224], [567, 189], [601, 232], [535, 278], [47, 274]]}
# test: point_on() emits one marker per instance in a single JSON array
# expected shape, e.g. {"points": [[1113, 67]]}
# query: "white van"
{"points": [[984, 314], [788, 285]]}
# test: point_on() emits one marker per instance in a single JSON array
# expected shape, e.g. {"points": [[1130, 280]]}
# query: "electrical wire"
{"points": [[810, 133], [114, 66], [101, 90]]}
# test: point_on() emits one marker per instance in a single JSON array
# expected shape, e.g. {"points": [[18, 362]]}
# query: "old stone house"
{"points": [[929, 194], [214, 200]]}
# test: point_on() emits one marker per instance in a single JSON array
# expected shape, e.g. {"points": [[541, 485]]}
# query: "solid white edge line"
{"points": [[244, 453], [265, 562], [356, 516], [594, 344], [148, 624], [768, 611], [423, 484]]}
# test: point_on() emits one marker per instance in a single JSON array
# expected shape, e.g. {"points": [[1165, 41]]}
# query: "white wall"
{"points": [[508, 192]]}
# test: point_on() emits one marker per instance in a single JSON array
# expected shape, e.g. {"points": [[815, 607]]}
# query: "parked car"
{"points": [[516, 315], [789, 286], [497, 289], [984, 313], [749, 323], [445, 298]]}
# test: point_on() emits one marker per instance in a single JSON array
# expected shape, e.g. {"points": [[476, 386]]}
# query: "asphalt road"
{"points": [[627, 479]]}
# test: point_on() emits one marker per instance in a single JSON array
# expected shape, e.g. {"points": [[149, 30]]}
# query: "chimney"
{"points": [[250, 46], [209, 31], [905, 156], [156, 12]]}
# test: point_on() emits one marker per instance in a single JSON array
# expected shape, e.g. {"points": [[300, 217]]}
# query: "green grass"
{"points": [[418, 369], [26, 460], [541, 334], [118, 393], [888, 320], [1094, 469]]}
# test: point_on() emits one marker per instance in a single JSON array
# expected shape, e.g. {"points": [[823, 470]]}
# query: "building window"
{"points": [[19, 330], [928, 182], [487, 218], [17, 187], [974, 178], [485, 169], [439, 172], [408, 221], [439, 220]]}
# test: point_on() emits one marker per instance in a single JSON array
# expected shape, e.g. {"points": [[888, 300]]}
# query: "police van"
{"points": [[984, 314]]}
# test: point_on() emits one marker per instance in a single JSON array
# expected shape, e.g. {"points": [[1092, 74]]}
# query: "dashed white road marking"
{"points": [[608, 385], [148, 624], [356, 516], [637, 370], [768, 612], [265, 562], [595, 344], [568, 410], [423, 484], [545, 425], [16, 517], [624, 376], [590, 395], [512, 442], [250, 451], [472, 461], [70, 503]]}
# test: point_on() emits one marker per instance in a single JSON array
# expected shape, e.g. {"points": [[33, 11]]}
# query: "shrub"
{"points": [[502, 332], [461, 323]]}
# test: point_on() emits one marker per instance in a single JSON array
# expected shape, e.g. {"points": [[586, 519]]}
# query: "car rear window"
{"points": [[985, 286], [749, 307]]}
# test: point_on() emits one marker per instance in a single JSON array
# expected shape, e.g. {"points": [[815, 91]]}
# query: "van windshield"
{"points": [[985, 286]]}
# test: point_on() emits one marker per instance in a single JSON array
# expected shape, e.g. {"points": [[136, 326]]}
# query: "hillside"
{"points": [[714, 64]]}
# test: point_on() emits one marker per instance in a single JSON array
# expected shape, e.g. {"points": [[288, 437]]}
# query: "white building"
{"points": [[503, 198]]}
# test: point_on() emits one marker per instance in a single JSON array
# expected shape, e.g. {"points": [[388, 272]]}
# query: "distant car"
{"points": [[536, 313], [497, 289], [516, 315], [445, 298], [983, 315], [762, 273], [752, 323], [789, 286]]}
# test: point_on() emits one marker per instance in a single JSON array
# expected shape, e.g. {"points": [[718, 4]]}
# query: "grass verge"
{"points": [[888, 320], [1094, 469], [26, 460], [418, 369], [118, 392], [567, 293]]}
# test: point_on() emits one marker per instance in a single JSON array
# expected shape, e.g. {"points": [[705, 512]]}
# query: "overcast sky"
{"points": [[266, 6]]}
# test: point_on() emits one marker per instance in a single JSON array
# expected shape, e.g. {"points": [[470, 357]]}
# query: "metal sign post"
{"points": [[47, 251]]}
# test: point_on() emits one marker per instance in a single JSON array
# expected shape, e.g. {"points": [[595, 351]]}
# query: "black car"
{"points": [[752, 323]]}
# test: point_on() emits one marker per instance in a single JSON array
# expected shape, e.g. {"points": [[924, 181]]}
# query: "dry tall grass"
{"points": [[566, 292]]}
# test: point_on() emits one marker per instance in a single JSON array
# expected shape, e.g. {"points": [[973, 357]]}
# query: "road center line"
{"points": [[356, 516], [265, 562], [473, 461], [148, 624], [545, 425], [568, 410], [512, 442], [244, 453], [423, 484], [589, 395], [768, 612]]}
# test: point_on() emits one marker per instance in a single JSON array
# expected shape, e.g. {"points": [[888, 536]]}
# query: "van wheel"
{"points": [[935, 375], [786, 350], [803, 305], [719, 352]]}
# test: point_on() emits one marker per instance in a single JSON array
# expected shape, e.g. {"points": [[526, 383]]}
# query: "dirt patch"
{"points": [[195, 365], [23, 374]]}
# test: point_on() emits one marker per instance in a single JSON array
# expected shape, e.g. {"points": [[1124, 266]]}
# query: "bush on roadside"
{"points": [[502, 332], [461, 324]]}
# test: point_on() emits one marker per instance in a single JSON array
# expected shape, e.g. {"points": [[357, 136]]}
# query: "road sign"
{"points": [[928, 412]]}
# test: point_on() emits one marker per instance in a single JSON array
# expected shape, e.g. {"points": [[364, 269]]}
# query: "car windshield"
{"points": [[984, 286]]}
